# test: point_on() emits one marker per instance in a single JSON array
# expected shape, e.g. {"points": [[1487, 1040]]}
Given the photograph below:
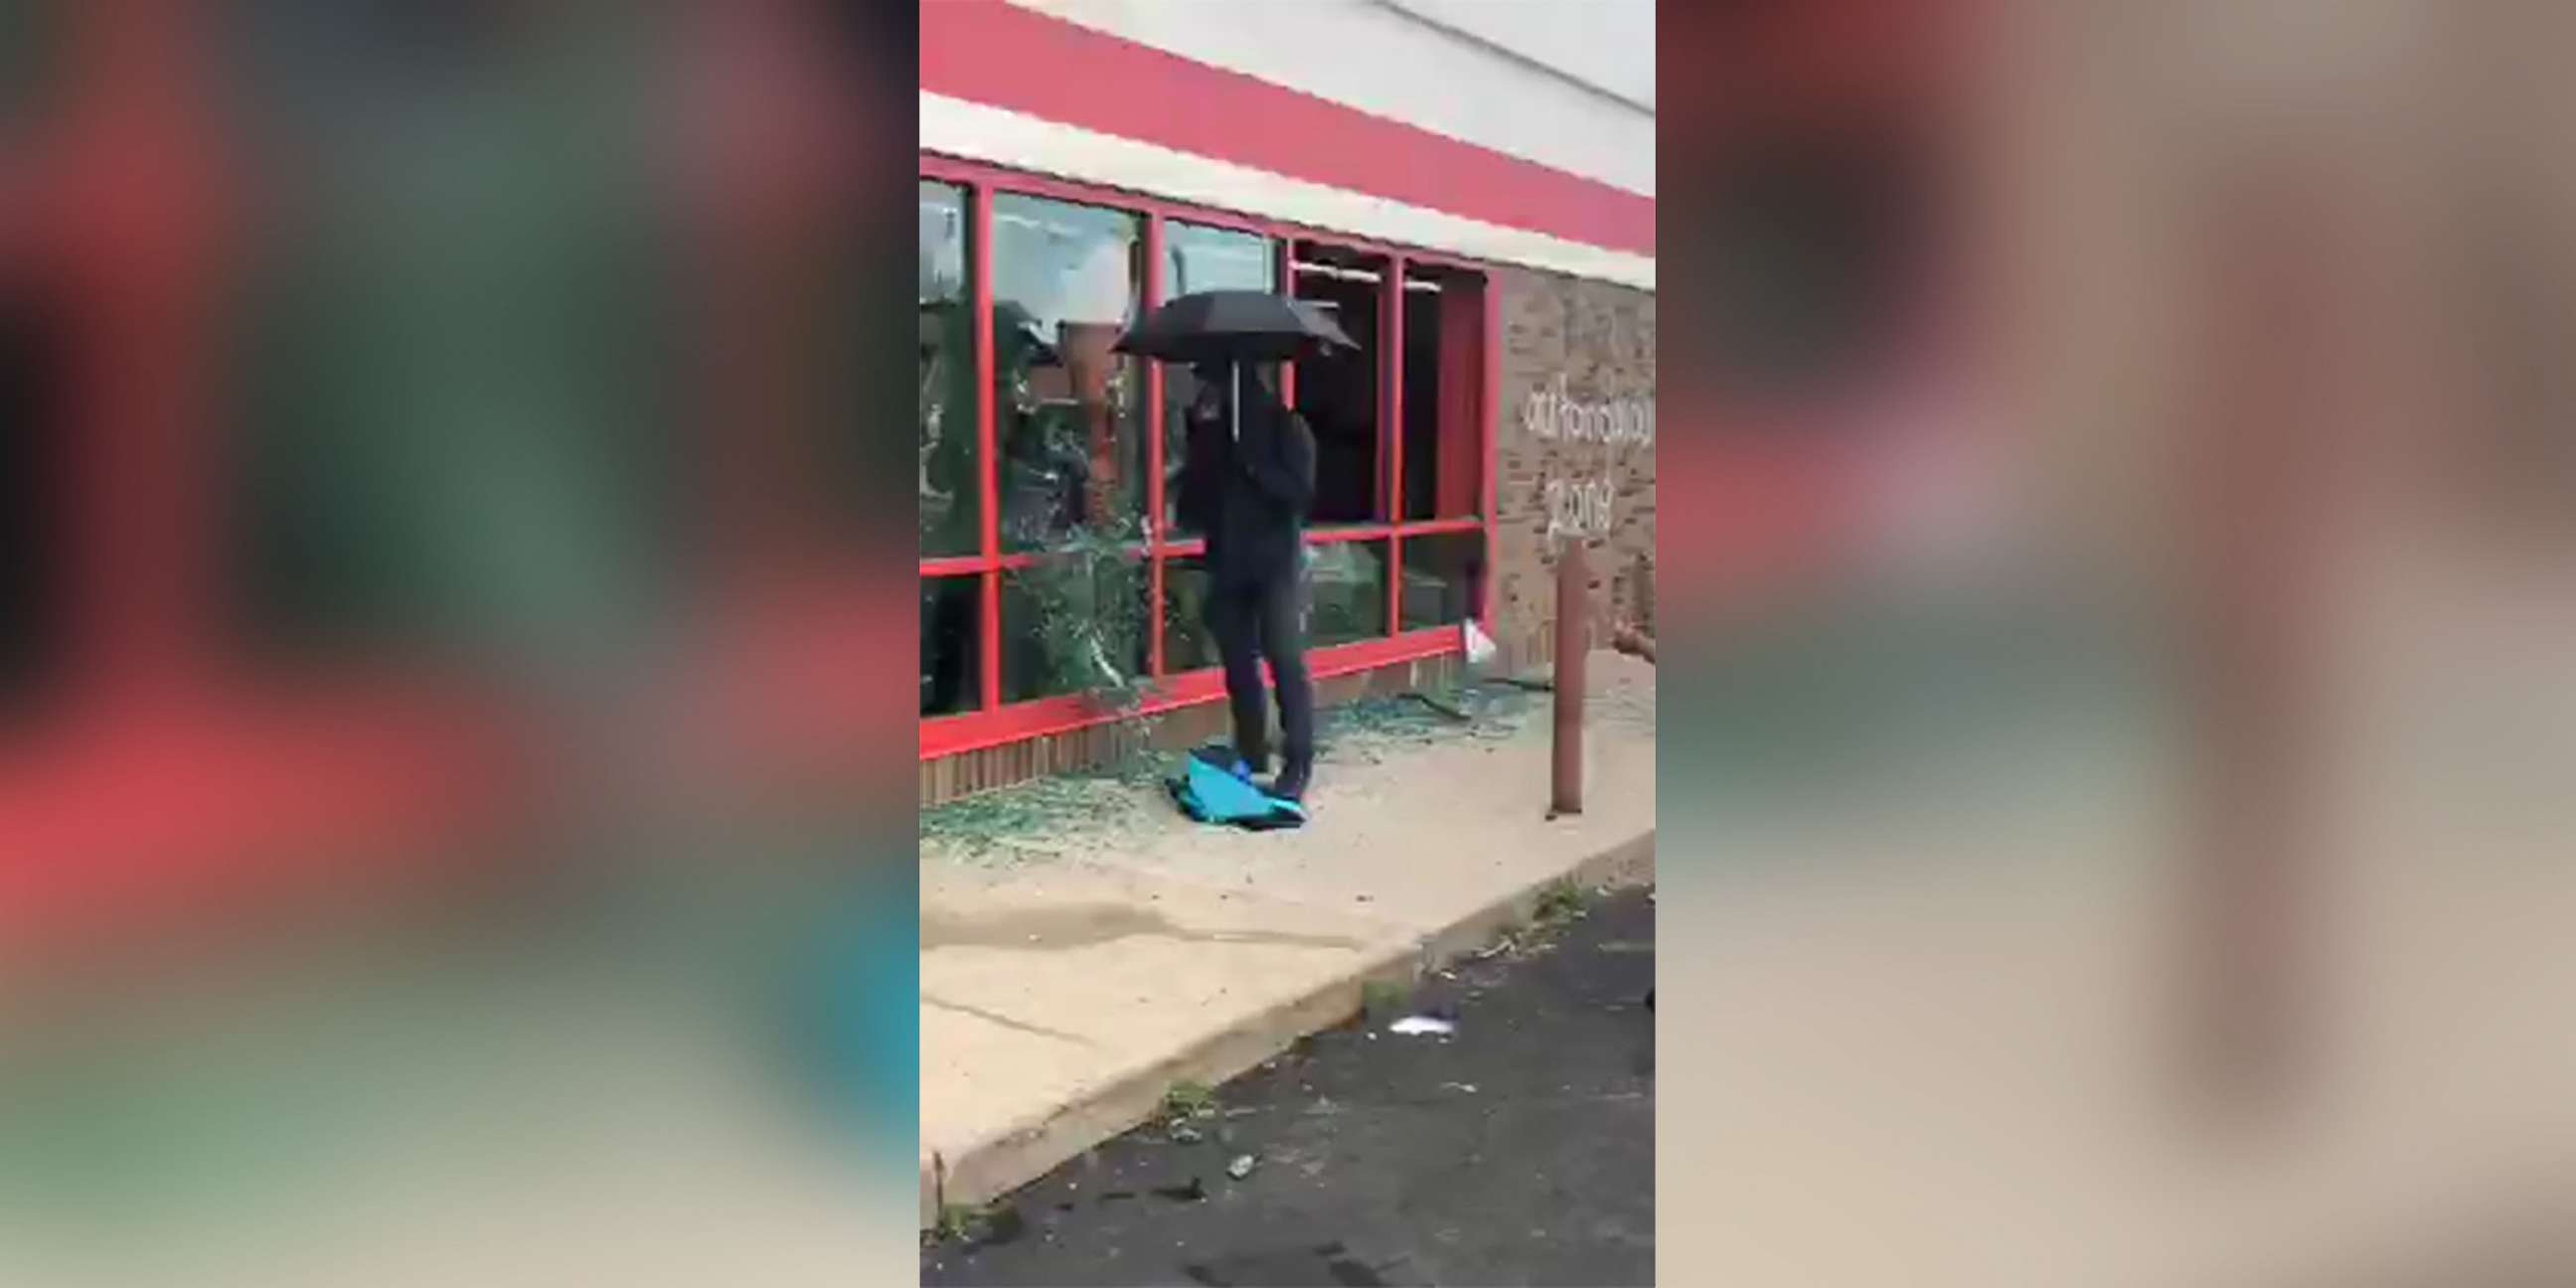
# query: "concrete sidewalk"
{"points": [[1073, 971]]}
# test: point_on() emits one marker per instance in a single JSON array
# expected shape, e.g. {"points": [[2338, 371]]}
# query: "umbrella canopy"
{"points": [[1232, 326]]}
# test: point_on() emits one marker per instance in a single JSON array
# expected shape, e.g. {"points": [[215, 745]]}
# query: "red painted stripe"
{"points": [[1045, 717], [116, 819], [991, 52]]}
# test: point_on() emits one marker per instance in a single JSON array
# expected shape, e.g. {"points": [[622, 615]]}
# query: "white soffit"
{"points": [[981, 132]]}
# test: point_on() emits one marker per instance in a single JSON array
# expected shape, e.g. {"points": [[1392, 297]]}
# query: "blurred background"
{"points": [[2121, 666], [441, 823]]}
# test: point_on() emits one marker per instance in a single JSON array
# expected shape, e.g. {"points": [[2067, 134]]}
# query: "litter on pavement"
{"points": [[1241, 1166], [1418, 1025], [1480, 646]]}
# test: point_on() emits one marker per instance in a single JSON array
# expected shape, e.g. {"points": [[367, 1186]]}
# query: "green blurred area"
{"points": [[31, 50], [1861, 698], [451, 406]]}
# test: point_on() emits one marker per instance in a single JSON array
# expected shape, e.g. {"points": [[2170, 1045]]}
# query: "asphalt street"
{"points": [[1519, 1149]]}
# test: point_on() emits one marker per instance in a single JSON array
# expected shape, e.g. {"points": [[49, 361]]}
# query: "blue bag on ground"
{"points": [[1213, 793]]}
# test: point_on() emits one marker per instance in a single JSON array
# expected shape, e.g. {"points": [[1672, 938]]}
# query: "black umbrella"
{"points": [[1233, 327]]}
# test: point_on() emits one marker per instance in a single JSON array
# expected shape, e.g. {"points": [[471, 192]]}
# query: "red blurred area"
{"points": [[1779, 484], [147, 774], [2217, 445]]}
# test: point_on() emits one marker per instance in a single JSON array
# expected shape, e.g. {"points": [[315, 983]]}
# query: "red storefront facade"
{"points": [[1470, 398], [1427, 444]]}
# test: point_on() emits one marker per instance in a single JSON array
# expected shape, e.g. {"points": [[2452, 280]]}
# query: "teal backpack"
{"points": [[1217, 788]]}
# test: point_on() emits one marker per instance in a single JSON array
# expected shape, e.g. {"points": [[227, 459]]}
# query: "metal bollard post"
{"points": [[1573, 639]]}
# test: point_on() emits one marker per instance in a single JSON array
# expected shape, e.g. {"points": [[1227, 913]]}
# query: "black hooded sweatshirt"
{"points": [[1249, 496]]}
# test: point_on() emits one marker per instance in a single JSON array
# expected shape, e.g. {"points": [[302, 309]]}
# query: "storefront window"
{"points": [[1187, 645], [1444, 392], [1346, 592], [1074, 624], [1069, 420], [1443, 572], [1075, 609], [948, 485], [1197, 257], [951, 648], [1338, 392]]}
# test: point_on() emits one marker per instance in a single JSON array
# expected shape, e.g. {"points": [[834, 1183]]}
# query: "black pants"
{"points": [[1252, 622]]}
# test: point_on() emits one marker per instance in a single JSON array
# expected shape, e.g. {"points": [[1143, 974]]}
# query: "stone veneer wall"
{"points": [[1599, 339]]}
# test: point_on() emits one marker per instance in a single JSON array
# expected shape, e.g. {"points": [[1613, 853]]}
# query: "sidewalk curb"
{"points": [[1003, 1162]]}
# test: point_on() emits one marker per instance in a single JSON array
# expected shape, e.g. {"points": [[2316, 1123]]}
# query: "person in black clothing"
{"points": [[1247, 485]]}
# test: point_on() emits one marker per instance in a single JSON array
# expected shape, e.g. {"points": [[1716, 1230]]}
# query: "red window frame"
{"points": [[995, 723]]}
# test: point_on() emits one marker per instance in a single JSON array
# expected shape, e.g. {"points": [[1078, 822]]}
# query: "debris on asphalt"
{"points": [[1351, 1122], [1182, 1133], [1422, 1025]]}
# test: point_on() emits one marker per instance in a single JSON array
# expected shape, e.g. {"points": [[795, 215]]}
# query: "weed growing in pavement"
{"points": [[968, 1223], [1187, 1100], [1383, 996], [1185, 1105], [1560, 904]]}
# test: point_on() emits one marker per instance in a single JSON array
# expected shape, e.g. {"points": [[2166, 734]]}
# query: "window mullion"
{"points": [[979, 271]]}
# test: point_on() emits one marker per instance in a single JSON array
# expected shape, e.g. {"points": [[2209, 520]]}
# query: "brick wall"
{"points": [[1579, 357]]}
